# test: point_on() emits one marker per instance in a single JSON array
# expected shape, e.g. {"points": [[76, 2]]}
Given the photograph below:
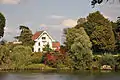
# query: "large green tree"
{"points": [[116, 29], [25, 36], [2, 24], [79, 47], [100, 32]]}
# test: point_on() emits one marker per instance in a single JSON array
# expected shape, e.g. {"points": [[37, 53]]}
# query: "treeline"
{"points": [[93, 35], [91, 44], [104, 34]]}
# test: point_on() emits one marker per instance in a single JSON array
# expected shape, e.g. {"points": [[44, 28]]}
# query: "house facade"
{"points": [[42, 38]]}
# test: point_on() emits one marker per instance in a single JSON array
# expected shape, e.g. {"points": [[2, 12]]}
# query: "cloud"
{"points": [[43, 25], [8, 31], [69, 22], [9, 1], [11, 31], [56, 17]]}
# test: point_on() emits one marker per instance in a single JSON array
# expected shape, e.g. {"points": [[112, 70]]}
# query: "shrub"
{"points": [[50, 59], [21, 56], [38, 66], [107, 59], [4, 54], [36, 57], [117, 58], [58, 60], [96, 62]]}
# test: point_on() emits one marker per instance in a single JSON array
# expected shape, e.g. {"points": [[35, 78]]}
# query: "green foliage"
{"points": [[79, 46], [96, 62], [116, 29], [38, 66], [3, 42], [47, 48], [4, 55], [100, 32], [63, 61], [25, 36], [81, 20], [107, 59], [69, 33], [21, 56], [2, 24], [36, 57], [117, 59]]}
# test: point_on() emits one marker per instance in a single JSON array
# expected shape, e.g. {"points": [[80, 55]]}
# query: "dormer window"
{"points": [[43, 37]]}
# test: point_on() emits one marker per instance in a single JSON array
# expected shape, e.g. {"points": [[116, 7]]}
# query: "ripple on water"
{"points": [[60, 76]]}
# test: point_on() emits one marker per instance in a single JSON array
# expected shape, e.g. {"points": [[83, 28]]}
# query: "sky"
{"points": [[50, 15]]}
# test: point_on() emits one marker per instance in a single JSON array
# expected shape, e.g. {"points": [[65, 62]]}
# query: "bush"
{"points": [[38, 66], [107, 59], [58, 60], [50, 59], [21, 56], [36, 57], [4, 54], [96, 62], [117, 58]]}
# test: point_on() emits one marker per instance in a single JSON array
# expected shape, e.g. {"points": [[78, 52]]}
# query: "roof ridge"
{"points": [[37, 34]]}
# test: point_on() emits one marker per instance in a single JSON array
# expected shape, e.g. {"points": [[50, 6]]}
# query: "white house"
{"points": [[42, 38]]}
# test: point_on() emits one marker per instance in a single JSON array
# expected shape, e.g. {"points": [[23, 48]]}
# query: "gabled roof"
{"points": [[36, 35], [39, 33]]}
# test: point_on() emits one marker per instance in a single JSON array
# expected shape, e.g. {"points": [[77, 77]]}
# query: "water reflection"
{"points": [[59, 76]]}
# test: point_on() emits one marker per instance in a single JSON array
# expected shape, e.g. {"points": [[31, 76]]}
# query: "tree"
{"points": [[118, 35], [4, 54], [25, 36], [100, 32], [79, 46], [3, 42], [69, 35], [21, 56], [81, 20], [116, 29], [2, 24]]}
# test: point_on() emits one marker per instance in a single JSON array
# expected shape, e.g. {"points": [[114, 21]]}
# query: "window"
{"points": [[38, 49], [39, 43], [44, 41], [43, 37]]}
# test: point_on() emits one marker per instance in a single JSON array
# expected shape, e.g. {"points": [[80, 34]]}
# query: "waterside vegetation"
{"points": [[93, 44]]}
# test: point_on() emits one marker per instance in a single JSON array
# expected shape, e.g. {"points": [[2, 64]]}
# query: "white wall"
{"points": [[47, 40]]}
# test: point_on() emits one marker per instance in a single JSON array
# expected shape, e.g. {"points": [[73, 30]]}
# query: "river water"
{"points": [[59, 75]]}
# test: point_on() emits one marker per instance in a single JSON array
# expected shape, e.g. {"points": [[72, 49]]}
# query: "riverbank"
{"points": [[40, 67]]}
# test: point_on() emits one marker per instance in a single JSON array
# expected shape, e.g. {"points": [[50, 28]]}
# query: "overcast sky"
{"points": [[50, 15]]}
